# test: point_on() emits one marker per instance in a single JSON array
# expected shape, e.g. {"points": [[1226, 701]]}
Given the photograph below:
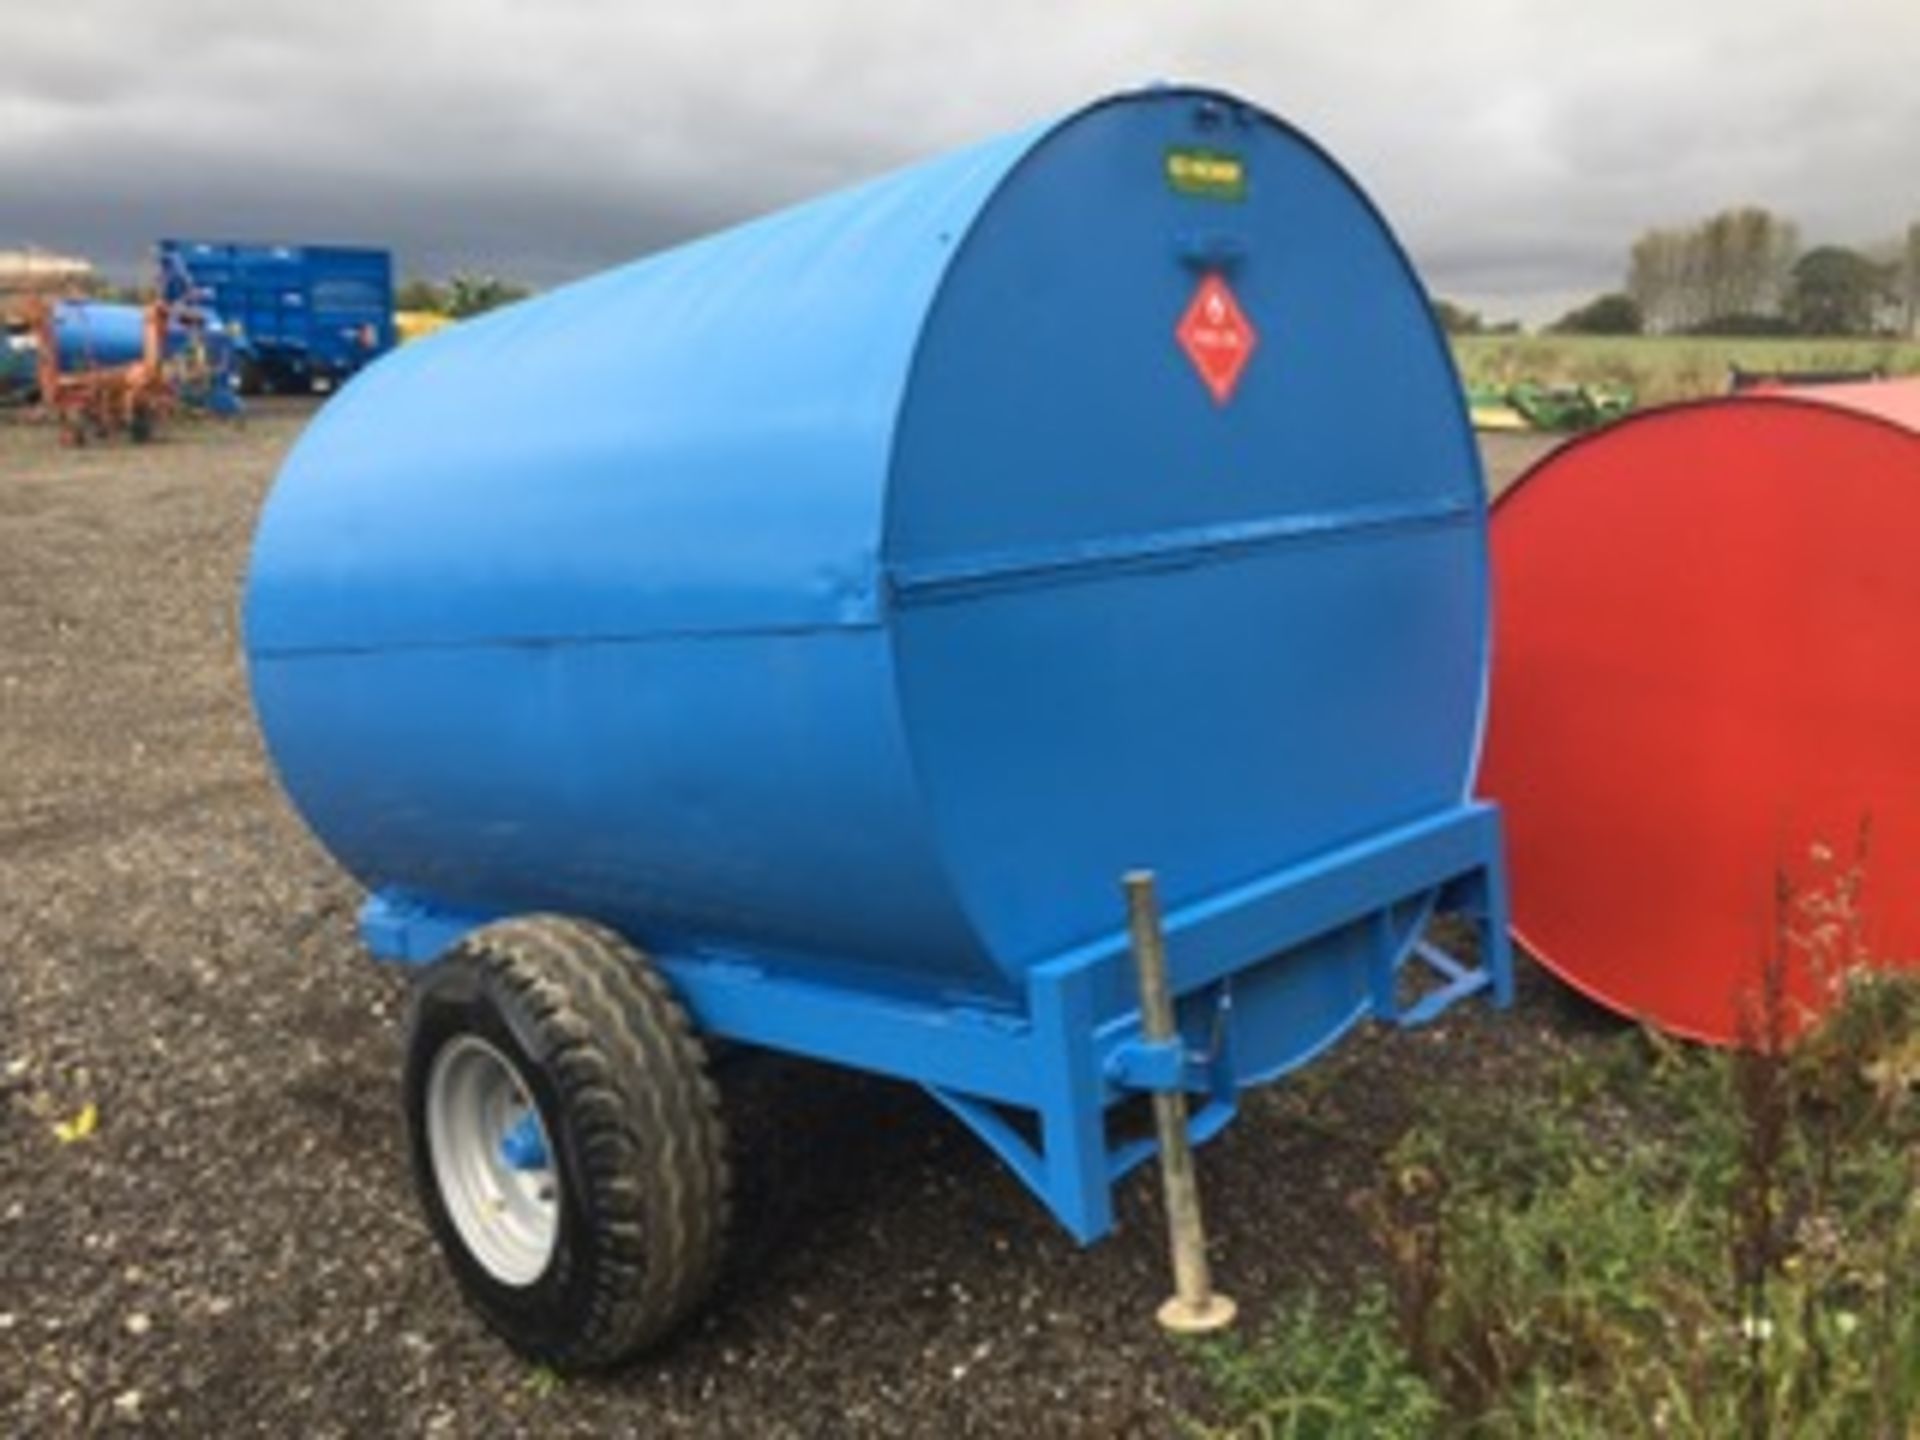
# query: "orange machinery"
{"points": [[95, 403]]}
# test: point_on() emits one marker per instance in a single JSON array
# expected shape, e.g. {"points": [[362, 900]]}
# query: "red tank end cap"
{"points": [[1707, 682]]}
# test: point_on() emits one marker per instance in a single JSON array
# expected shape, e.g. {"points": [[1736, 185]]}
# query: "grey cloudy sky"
{"points": [[1517, 147]]}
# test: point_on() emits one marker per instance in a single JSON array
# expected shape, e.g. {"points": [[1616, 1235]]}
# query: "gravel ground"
{"points": [[1508, 454], [236, 1248]]}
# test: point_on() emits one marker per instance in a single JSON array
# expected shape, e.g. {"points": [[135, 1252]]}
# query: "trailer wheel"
{"points": [[566, 1139]]}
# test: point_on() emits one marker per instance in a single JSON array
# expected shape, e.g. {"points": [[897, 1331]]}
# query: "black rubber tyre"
{"points": [[632, 1122]]}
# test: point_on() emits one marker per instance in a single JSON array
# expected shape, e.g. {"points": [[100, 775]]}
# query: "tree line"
{"points": [[1744, 272], [464, 295]]}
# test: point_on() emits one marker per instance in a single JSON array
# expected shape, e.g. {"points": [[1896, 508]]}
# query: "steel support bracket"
{"points": [[1150, 1065]]}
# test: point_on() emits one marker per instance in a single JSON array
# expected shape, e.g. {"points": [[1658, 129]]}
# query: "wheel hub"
{"points": [[492, 1160]]}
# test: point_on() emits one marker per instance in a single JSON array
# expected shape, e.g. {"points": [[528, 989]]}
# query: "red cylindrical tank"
{"points": [[1705, 723]]}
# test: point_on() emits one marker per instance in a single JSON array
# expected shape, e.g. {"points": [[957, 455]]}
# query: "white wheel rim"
{"points": [[508, 1214]]}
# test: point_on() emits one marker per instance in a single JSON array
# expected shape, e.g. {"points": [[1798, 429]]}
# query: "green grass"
{"points": [[1661, 368], [1658, 1241]]}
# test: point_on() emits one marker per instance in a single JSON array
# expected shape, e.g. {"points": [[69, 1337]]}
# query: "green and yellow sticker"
{"points": [[1208, 174]]}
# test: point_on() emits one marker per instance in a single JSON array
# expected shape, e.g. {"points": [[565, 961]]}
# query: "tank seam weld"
{"points": [[928, 580]]}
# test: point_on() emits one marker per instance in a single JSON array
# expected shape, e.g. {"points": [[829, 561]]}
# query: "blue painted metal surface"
{"points": [[839, 605], [304, 313], [94, 334]]}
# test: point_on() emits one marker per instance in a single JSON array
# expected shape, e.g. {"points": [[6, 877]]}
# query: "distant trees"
{"points": [[1837, 291], [1735, 263], [1741, 272], [418, 294], [472, 294], [467, 293], [1611, 314], [1457, 319]]}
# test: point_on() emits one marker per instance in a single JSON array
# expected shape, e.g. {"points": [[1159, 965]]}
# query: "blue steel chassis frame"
{"points": [[1060, 1062]]}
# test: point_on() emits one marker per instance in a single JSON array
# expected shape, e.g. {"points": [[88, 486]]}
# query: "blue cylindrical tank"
{"points": [[863, 589], [93, 334]]}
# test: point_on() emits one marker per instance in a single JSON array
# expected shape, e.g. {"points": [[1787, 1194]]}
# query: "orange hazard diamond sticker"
{"points": [[1217, 337]]}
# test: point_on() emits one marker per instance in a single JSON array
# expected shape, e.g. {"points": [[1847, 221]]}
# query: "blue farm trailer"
{"points": [[792, 640], [302, 315]]}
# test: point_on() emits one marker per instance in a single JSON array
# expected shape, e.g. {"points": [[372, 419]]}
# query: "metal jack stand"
{"points": [[1196, 1307]]}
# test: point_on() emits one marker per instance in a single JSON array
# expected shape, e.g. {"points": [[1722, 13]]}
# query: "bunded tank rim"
{"points": [[1806, 399]]}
